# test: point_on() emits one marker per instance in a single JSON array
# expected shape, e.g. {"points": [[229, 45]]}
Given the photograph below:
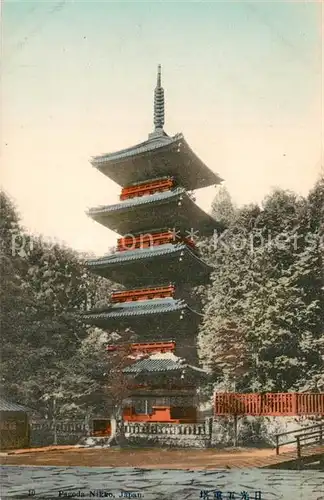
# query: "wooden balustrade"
{"points": [[270, 404], [144, 241], [310, 403], [147, 188], [73, 426], [143, 294], [146, 347], [147, 428], [148, 240], [309, 436]]}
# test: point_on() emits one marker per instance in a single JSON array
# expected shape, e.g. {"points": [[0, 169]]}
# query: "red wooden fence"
{"points": [[270, 404]]}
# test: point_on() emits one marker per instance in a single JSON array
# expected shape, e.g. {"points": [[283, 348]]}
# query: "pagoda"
{"points": [[157, 262]]}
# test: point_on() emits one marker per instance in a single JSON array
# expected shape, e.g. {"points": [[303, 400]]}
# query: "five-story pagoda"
{"points": [[157, 262]]}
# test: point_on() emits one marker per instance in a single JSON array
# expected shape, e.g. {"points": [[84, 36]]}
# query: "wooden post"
{"points": [[235, 430], [210, 426], [321, 434], [28, 437], [298, 447], [54, 422], [294, 404], [277, 444]]}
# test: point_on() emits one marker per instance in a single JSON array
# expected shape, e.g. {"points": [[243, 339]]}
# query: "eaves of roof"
{"points": [[143, 147], [140, 308], [160, 365], [140, 253], [145, 253], [142, 200]]}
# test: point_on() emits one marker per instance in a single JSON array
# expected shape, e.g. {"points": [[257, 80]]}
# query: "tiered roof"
{"points": [[158, 313], [160, 263], [159, 155], [174, 208], [159, 363]]}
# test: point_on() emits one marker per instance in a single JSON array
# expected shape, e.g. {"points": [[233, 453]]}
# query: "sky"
{"points": [[243, 83]]}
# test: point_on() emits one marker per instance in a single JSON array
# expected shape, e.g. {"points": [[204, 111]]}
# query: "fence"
{"points": [[269, 404], [310, 404], [309, 436], [48, 432], [196, 435]]}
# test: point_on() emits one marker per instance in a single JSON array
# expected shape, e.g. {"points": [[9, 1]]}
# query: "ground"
{"points": [[140, 457]]}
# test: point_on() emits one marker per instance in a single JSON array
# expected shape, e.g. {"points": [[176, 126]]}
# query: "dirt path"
{"points": [[141, 458]]}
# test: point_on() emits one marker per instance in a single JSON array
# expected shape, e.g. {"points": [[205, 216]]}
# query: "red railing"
{"points": [[153, 347], [146, 348], [149, 240], [310, 403], [143, 294], [271, 404], [146, 188]]}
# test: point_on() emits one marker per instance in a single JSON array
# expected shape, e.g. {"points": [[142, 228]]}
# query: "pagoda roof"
{"points": [[141, 308], [161, 262], [127, 314], [173, 208], [166, 362], [160, 365], [158, 156]]}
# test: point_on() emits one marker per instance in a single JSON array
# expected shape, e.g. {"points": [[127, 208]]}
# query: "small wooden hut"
{"points": [[14, 425]]}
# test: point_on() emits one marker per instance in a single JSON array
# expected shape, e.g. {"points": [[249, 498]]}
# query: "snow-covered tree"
{"points": [[223, 208], [265, 302]]}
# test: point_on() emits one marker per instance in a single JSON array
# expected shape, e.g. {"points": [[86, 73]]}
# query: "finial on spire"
{"points": [[158, 103], [159, 76]]}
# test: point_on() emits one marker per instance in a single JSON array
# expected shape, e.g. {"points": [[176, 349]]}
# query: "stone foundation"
{"points": [[170, 435], [144, 440]]}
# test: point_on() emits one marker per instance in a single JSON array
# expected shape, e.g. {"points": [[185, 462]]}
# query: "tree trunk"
{"points": [[235, 431], [54, 422], [117, 436], [87, 420], [113, 427]]}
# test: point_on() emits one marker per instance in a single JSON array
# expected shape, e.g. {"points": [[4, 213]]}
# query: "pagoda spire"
{"points": [[158, 103]]}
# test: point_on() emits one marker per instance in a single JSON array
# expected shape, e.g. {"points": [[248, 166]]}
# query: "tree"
{"points": [[223, 208], [222, 343], [265, 301], [277, 317], [247, 216], [316, 205], [94, 382], [225, 351], [43, 288], [16, 296]]}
